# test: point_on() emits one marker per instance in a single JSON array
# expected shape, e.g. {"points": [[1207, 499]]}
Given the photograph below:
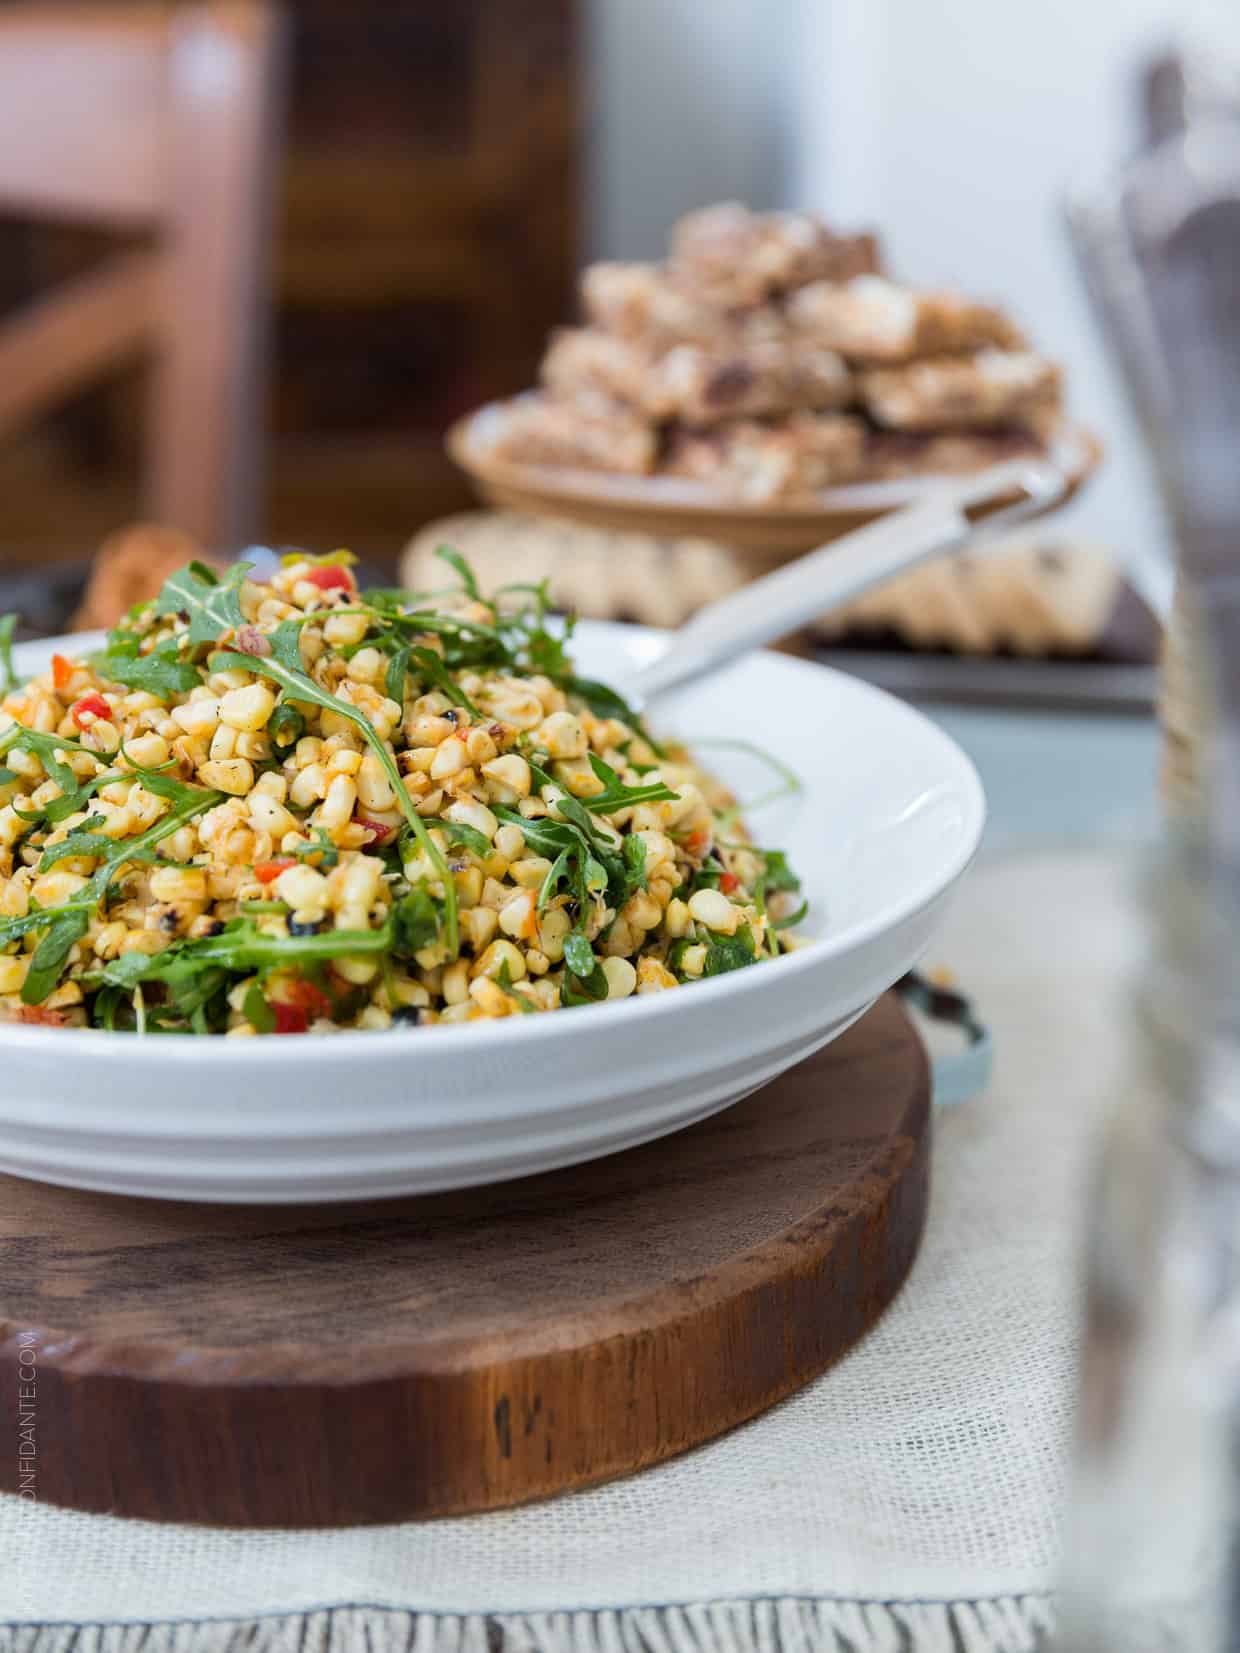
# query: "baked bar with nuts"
{"points": [[736, 257], [872, 320], [950, 393], [782, 459], [588, 433]]}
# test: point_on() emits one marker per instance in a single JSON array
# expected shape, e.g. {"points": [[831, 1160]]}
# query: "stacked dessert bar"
{"points": [[769, 358]]}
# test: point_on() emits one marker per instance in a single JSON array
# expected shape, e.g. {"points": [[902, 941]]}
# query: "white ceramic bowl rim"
{"points": [[346, 1045]]}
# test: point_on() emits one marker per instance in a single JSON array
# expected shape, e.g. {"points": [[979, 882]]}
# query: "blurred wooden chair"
{"points": [[148, 118]]}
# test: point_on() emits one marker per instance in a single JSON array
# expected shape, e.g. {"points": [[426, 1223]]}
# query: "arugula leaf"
{"points": [[616, 795], [456, 832], [286, 726], [160, 673], [257, 1011], [322, 846], [9, 679], [579, 955], [724, 953], [48, 960], [776, 873], [398, 667], [455, 560], [213, 604], [432, 668], [83, 840], [415, 922], [300, 686], [602, 700], [787, 922], [242, 947], [17, 738]]}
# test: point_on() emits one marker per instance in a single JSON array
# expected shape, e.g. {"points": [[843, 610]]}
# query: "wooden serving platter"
{"points": [[459, 1352]]}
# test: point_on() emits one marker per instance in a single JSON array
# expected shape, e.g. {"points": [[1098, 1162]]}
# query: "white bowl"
{"points": [[890, 815]]}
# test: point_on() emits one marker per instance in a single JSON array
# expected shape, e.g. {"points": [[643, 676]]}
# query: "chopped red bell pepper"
{"points": [[91, 705], [305, 997], [289, 1019], [268, 871], [379, 831], [40, 1016], [728, 881], [62, 672], [333, 577]]}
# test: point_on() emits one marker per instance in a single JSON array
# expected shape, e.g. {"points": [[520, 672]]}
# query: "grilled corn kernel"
{"points": [[198, 717], [474, 815], [676, 919], [509, 777], [179, 884], [233, 775], [693, 961], [249, 708], [497, 955], [304, 889], [343, 630], [374, 789], [450, 759], [337, 806], [12, 973], [621, 977], [712, 908]]}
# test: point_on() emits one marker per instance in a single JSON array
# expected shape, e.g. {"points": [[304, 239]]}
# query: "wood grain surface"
{"points": [[463, 1351]]}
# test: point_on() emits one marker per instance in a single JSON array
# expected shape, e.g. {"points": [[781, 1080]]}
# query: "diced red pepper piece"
{"points": [[62, 671], [91, 705], [40, 1016], [268, 871], [728, 881], [289, 1019], [332, 578], [379, 831], [310, 1000]]}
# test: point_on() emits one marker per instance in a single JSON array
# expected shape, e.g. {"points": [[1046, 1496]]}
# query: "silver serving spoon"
{"points": [[949, 516]]}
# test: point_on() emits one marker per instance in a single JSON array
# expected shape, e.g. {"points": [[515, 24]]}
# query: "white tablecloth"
{"points": [[910, 1498]]}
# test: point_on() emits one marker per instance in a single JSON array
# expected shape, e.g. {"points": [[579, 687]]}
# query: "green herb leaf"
{"points": [[286, 726], [616, 795], [213, 605], [455, 560], [49, 957], [321, 850], [83, 840], [456, 832], [398, 668], [257, 1011], [160, 673], [725, 953], [416, 922], [579, 955], [9, 679]]}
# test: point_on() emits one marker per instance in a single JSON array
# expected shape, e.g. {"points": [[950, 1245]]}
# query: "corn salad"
{"points": [[289, 806]]}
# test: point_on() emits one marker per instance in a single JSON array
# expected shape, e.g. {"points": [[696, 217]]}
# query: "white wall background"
{"points": [[954, 125]]}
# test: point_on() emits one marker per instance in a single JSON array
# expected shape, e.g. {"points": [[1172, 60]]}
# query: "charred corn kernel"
{"points": [[530, 871], [12, 827], [676, 919], [147, 751], [344, 760], [480, 744], [179, 884], [642, 911], [14, 898], [247, 708], [510, 841], [266, 815], [428, 729], [456, 983], [341, 630], [474, 815], [101, 737], [553, 928], [653, 977], [272, 785], [516, 705], [309, 749], [57, 886], [308, 786], [232, 775], [536, 963], [198, 717], [109, 940], [358, 970], [509, 778], [304, 889], [490, 998], [519, 917], [374, 790], [368, 666], [497, 955], [621, 938], [468, 886], [223, 743], [563, 735], [712, 908], [693, 960], [449, 759], [478, 926], [621, 977], [253, 744], [12, 973], [337, 806]]}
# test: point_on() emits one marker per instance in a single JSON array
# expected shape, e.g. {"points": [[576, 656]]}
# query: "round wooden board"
{"points": [[459, 1352]]}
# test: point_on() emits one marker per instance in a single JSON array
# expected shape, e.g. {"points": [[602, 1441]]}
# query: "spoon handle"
{"points": [[947, 518]]}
